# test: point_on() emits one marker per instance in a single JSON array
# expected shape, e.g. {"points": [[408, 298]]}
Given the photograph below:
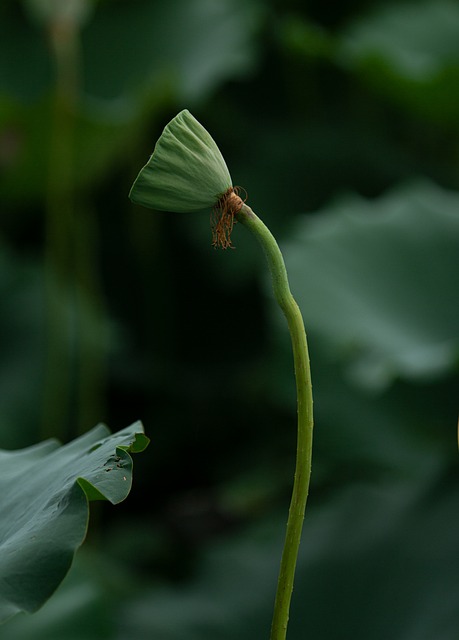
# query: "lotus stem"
{"points": [[305, 417], [187, 173]]}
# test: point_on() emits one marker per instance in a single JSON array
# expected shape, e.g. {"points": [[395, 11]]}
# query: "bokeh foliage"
{"points": [[341, 123]]}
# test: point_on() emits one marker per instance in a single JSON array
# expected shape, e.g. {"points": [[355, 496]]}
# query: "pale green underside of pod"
{"points": [[186, 171]]}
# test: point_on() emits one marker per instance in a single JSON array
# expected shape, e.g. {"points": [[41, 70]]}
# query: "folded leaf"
{"points": [[45, 490]]}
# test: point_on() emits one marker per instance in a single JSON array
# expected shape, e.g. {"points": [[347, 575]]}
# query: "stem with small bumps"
{"points": [[305, 417]]}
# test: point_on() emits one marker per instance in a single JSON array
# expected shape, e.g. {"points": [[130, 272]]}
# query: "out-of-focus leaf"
{"points": [[133, 59], [378, 278], [379, 562], [409, 51], [193, 44], [371, 549], [361, 432], [81, 609], [377, 558], [45, 492], [418, 40]]}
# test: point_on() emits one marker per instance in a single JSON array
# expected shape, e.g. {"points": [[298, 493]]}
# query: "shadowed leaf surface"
{"points": [[368, 258], [409, 53], [44, 512]]}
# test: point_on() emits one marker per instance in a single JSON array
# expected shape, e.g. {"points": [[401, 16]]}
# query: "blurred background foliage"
{"points": [[341, 122]]}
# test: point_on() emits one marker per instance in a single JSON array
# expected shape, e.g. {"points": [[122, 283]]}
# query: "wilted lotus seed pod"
{"points": [[186, 172]]}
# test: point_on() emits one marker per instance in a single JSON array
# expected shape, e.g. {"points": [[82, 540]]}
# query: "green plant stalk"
{"points": [[74, 369], [60, 224], [305, 418]]}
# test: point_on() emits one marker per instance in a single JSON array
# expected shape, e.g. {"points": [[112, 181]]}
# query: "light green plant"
{"points": [[186, 173]]}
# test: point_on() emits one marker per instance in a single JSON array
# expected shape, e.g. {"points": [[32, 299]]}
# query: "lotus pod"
{"points": [[186, 171]]}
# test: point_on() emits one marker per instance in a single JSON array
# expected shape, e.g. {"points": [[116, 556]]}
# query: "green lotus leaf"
{"points": [[186, 171], [45, 490], [386, 291]]}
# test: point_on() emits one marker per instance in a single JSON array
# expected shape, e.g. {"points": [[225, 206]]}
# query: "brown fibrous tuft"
{"points": [[223, 215]]}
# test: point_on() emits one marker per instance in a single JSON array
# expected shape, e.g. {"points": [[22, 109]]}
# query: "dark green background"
{"points": [[341, 121]]}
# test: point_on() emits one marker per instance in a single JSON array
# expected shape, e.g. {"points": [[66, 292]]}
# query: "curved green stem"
{"points": [[305, 418]]}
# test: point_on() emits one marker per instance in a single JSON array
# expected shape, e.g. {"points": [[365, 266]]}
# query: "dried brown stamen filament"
{"points": [[222, 218]]}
